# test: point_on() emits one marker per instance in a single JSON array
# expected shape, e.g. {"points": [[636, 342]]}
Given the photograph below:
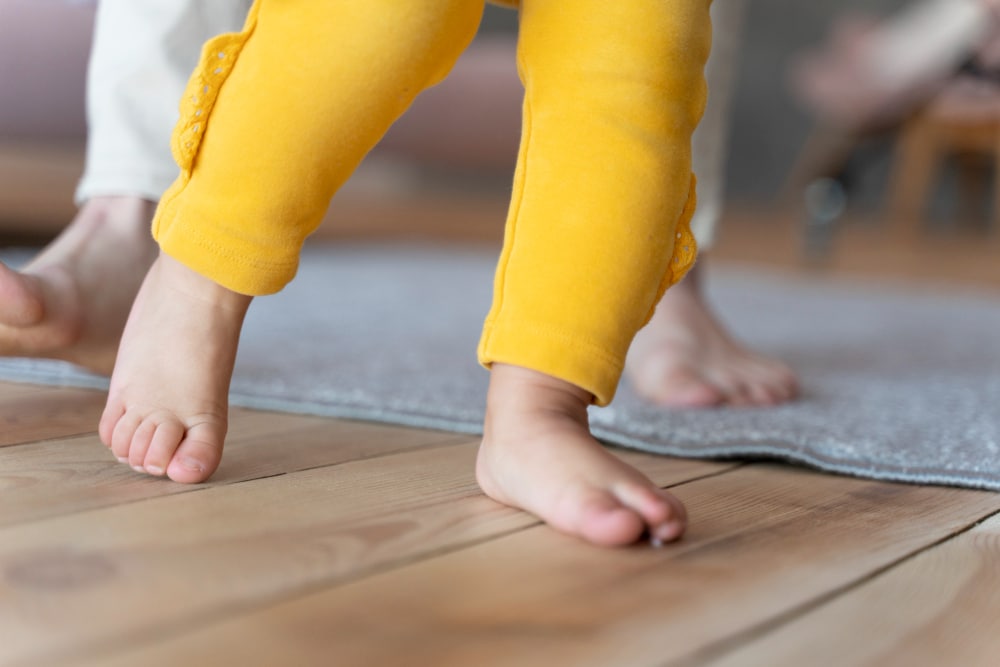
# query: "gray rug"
{"points": [[899, 385]]}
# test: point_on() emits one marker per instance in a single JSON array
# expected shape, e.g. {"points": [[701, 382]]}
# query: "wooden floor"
{"points": [[330, 542]]}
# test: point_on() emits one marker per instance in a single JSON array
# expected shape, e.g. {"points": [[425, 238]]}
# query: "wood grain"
{"points": [[10, 389], [133, 572], [36, 413], [764, 541], [44, 479], [940, 608]]}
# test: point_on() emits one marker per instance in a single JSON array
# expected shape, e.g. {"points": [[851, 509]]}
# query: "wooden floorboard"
{"points": [[163, 566], [764, 541], [16, 389], [30, 413], [68, 475], [341, 543], [938, 608]]}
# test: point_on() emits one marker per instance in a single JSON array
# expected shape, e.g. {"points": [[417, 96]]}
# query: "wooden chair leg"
{"points": [[914, 167], [972, 190], [826, 151], [994, 230]]}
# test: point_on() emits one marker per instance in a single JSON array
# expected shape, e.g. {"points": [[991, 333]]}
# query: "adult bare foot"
{"points": [[167, 410], [685, 358], [72, 300], [537, 454]]}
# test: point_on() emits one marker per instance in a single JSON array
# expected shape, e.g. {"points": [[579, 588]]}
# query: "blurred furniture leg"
{"points": [[926, 141], [819, 183], [914, 165]]}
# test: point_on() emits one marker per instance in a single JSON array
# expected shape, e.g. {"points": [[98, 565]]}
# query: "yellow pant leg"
{"points": [[603, 188], [275, 119]]}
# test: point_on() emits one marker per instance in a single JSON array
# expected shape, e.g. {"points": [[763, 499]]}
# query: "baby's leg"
{"points": [[274, 119], [597, 230], [685, 357]]}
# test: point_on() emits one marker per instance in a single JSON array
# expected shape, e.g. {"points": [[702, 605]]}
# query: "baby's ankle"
{"points": [[515, 389], [188, 281]]}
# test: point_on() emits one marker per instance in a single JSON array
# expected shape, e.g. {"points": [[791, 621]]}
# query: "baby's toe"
{"points": [[123, 433], [198, 455], [764, 393], [606, 521], [109, 420], [663, 515], [787, 383], [778, 379], [689, 389], [140, 444], [164, 442], [738, 395]]}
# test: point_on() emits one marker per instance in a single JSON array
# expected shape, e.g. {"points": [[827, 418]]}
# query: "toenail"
{"points": [[154, 470], [138, 469], [191, 464], [667, 532], [122, 459]]}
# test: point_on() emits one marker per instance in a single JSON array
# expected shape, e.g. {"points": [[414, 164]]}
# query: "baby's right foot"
{"points": [[538, 455], [168, 402]]}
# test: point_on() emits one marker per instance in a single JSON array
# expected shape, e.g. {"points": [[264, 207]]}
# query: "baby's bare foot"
{"points": [[168, 402], [537, 454], [71, 301], [685, 358]]}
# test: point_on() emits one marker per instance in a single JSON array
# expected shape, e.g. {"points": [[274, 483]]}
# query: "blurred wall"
{"points": [[768, 127]]}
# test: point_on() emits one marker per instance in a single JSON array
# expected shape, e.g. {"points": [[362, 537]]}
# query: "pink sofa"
{"points": [[44, 47]]}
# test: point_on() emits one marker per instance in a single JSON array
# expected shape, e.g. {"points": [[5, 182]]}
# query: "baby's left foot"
{"points": [[538, 455], [685, 358]]}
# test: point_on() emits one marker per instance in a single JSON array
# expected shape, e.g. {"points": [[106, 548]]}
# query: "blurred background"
{"points": [[803, 189], [769, 127]]}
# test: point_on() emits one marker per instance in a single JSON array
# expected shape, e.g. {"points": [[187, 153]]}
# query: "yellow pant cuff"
{"points": [[214, 248], [553, 352]]}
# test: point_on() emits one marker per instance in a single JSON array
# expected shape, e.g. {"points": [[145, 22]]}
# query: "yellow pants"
{"points": [[276, 118]]}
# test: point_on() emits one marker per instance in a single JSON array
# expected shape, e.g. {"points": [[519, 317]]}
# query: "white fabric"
{"points": [[927, 40], [709, 145], [144, 51]]}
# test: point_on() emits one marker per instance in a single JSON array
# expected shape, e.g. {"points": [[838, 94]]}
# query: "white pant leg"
{"points": [[143, 53], [710, 140]]}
